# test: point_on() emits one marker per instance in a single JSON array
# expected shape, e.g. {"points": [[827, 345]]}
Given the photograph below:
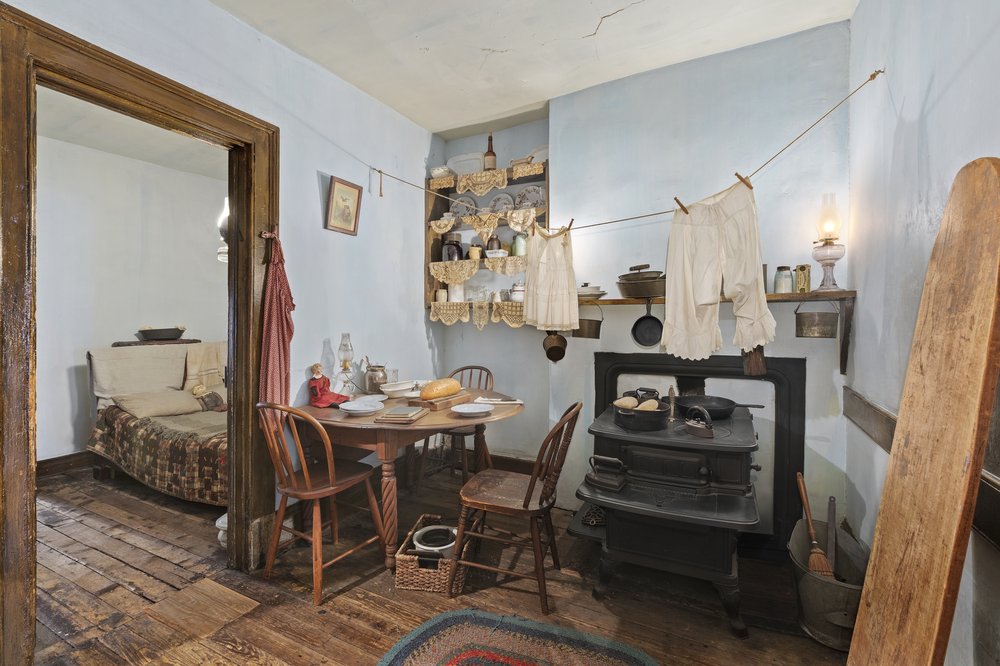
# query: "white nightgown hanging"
{"points": [[550, 300]]}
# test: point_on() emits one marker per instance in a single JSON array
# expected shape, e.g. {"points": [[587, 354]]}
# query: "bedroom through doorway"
{"points": [[131, 443]]}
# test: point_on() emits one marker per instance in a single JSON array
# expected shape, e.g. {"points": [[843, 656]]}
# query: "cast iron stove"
{"points": [[684, 500]]}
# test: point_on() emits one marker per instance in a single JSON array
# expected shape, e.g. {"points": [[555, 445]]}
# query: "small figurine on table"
{"points": [[320, 394]]}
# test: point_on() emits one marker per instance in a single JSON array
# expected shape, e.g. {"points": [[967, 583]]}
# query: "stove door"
{"points": [[666, 466]]}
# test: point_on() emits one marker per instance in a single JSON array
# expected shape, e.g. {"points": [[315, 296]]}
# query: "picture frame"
{"points": [[343, 206]]}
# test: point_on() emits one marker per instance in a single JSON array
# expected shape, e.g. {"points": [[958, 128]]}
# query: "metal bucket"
{"points": [[827, 606], [590, 328], [816, 324]]}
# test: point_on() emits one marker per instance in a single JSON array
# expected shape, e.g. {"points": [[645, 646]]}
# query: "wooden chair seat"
{"points": [[349, 473], [530, 497], [316, 481], [503, 492]]}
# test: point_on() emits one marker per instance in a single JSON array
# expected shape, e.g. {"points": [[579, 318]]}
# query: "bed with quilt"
{"points": [[162, 417]]}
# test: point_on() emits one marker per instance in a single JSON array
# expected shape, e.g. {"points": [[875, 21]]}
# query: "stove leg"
{"points": [[605, 571], [730, 593]]}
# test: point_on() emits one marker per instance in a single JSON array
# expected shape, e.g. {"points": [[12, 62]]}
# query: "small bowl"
{"points": [[397, 389], [440, 172], [496, 254]]}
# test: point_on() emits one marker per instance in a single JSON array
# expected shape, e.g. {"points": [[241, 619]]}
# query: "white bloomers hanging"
{"points": [[715, 245]]}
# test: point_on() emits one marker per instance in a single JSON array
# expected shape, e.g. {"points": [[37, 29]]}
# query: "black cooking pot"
{"points": [[642, 419], [717, 408]]}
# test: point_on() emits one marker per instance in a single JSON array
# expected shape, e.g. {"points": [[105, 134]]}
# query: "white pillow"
{"points": [[168, 402]]}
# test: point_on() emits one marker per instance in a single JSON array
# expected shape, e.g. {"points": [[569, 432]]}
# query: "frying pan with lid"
{"points": [[647, 329], [639, 273]]}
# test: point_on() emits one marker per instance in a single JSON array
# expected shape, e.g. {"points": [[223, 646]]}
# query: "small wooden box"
{"points": [[439, 404]]}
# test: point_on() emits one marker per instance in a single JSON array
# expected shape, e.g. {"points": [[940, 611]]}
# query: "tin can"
{"points": [[803, 279]]}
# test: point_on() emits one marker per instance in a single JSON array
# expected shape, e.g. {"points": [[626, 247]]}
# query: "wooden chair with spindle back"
{"points": [[518, 496], [472, 377], [313, 482]]}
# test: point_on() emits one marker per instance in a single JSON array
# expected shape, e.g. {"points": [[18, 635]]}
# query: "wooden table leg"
{"points": [[482, 453], [390, 516]]}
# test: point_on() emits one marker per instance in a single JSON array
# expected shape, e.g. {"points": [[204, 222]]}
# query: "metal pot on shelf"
{"points": [[642, 283]]}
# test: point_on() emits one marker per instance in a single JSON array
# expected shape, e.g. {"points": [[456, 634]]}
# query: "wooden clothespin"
{"points": [[570, 225], [683, 207], [744, 180]]}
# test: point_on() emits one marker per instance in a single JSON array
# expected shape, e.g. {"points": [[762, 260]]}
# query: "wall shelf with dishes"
{"points": [[476, 239]]}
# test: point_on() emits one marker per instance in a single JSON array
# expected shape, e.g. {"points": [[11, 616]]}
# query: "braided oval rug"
{"points": [[476, 638]]}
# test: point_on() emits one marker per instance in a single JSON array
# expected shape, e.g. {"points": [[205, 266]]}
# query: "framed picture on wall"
{"points": [[344, 206]]}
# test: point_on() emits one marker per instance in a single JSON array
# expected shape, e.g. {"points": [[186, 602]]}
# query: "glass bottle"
{"points": [[489, 157], [493, 243], [451, 249], [784, 283]]}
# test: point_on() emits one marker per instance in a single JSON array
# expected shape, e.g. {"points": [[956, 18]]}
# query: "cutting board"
{"points": [[438, 404], [925, 515]]}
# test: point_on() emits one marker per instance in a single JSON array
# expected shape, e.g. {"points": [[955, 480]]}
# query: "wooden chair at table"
{"points": [[517, 495], [314, 482], [469, 376]]}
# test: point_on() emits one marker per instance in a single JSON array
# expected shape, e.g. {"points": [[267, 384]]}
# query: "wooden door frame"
{"points": [[31, 52]]}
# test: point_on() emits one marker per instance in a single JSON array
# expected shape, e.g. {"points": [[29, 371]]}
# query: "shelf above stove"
{"points": [[844, 296]]}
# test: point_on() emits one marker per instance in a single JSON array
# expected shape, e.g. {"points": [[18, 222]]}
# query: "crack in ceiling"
{"points": [[619, 11]]}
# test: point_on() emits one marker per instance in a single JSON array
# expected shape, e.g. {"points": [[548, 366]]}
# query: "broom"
{"points": [[818, 563]]}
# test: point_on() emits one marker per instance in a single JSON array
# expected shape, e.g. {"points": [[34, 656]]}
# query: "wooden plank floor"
{"points": [[129, 576]]}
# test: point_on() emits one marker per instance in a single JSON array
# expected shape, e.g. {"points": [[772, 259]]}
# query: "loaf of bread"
{"points": [[440, 388], [626, 402], [649, 405]]}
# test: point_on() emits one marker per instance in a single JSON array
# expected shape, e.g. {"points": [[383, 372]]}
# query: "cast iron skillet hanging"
{"points": [[647, 329]]}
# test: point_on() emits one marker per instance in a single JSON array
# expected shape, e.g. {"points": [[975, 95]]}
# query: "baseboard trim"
{"points": [[880, 425], [63, 464], [876, 422], [510, 464]]}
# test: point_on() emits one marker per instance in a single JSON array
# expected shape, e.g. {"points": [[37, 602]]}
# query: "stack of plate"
{"points": [[588, 291], [364, 407]]}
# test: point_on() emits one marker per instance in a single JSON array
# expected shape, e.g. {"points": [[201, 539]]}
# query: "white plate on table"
{"points": [[472, 409], [361, 407], [412, 394]]}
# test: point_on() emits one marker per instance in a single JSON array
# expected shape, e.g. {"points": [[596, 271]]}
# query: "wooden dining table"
{"points": [[386, 440]]}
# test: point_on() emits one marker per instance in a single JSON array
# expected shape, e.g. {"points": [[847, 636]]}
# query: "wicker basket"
{"points": [[411, 576]]}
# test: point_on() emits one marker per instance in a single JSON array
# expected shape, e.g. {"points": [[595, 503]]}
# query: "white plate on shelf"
{"points": [[361, 407], [467, 163], [532, 196], [502, 202], [463, 205], [472, 409], [591, 295]]}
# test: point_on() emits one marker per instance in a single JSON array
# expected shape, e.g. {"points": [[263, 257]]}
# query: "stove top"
{"points": [[735, 434]]}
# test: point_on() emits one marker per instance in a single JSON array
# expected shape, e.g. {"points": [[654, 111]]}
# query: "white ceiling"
{"points": [[69, 119], [458, 66]]}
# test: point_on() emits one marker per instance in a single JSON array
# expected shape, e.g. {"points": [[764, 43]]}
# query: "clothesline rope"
{"points": [[669, 211]]}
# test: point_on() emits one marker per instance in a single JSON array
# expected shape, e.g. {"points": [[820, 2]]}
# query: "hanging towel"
{"points": [[715, 244]]}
